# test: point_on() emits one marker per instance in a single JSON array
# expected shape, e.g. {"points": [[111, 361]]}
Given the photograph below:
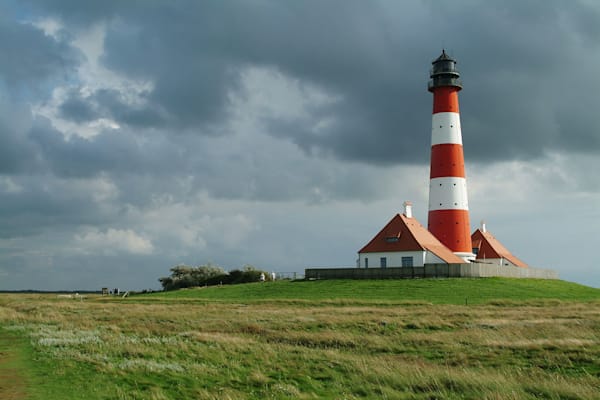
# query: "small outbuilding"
{"points": [[489, 250]]}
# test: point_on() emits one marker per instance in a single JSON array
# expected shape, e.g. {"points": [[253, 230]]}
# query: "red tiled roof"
{"points": [[407, 234], [489, 247]]}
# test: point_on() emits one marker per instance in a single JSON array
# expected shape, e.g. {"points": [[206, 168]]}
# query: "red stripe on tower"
{"points": [[448, 204]]}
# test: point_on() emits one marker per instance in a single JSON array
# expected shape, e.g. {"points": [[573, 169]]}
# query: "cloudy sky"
{"points": [[136, 135]]}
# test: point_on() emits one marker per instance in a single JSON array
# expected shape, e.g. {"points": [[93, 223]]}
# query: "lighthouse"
{"points": [[404, 248], [448, 218]]}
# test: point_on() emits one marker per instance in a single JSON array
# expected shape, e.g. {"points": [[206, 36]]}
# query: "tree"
{"points": [[184, 276]]}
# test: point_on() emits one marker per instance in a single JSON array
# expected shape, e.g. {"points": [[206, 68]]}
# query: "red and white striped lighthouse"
{"points": [[448, 205]]}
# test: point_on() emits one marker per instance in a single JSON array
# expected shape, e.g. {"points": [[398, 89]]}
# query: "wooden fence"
{"points": [[473, 270]]}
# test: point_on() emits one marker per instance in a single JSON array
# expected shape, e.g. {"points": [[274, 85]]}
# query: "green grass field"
{"points": [[514, 339], [434, 291]]}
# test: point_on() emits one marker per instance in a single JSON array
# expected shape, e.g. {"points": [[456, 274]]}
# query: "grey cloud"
{"points": [[527, 69], [190, 87], [17, 153], [111, 105], [80, 14], [45, 203], [375, 57], [384, 133], [115, 152], [76, 108], [82, 272], [31, 58]]}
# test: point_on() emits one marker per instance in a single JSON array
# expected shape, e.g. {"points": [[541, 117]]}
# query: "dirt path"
{"points": [[12, 384]]}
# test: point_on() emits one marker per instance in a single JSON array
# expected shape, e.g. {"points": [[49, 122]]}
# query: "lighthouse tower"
{"points": [[448, 205]]}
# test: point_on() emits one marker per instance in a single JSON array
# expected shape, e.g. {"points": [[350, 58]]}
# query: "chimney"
{"points": [[483, 226], [408, 209]]}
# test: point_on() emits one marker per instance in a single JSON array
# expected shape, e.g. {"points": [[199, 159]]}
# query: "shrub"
{"points": [[247, 274], [183, 276]]}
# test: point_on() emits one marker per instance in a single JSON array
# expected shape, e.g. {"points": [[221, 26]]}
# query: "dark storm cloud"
{"points": [[108, 103], [113, 151], [80, 14], [112, 105], [177, 70], [82, 272], [42, 203], [31, 63], [386, 134], [30, 58], [17, 153], [374, 57], [526, 69], [40, 177], [78, 109], [48, 181]]}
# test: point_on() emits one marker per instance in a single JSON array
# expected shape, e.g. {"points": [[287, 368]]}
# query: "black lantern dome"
{"points": [[444, 73]]}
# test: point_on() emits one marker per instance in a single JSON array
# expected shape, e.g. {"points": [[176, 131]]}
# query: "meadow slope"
{"points": [[515, 339], [433, 291]]}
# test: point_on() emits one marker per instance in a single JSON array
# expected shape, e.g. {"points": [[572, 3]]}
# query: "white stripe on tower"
{"points": [[448, 202], [445, 128]]}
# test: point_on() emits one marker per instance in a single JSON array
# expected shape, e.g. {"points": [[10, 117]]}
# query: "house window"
{"points": [[475, 250], [366, 262], [407, 261], [383, 262]]}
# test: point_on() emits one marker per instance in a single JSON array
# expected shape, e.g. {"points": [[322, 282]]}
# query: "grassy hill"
{"points": [[394, 339], [434, 291]]}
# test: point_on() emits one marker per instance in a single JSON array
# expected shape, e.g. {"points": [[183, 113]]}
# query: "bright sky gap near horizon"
{"points": [[136, 135]]}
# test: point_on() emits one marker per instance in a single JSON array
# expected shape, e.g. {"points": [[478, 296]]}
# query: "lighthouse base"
{"points": [[468, 257]]}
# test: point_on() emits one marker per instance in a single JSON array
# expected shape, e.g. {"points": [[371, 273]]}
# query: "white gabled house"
{"points": [[404, 242]]}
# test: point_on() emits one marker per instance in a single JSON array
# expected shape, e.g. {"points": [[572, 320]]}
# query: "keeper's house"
{"points": [[404, 242]]}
